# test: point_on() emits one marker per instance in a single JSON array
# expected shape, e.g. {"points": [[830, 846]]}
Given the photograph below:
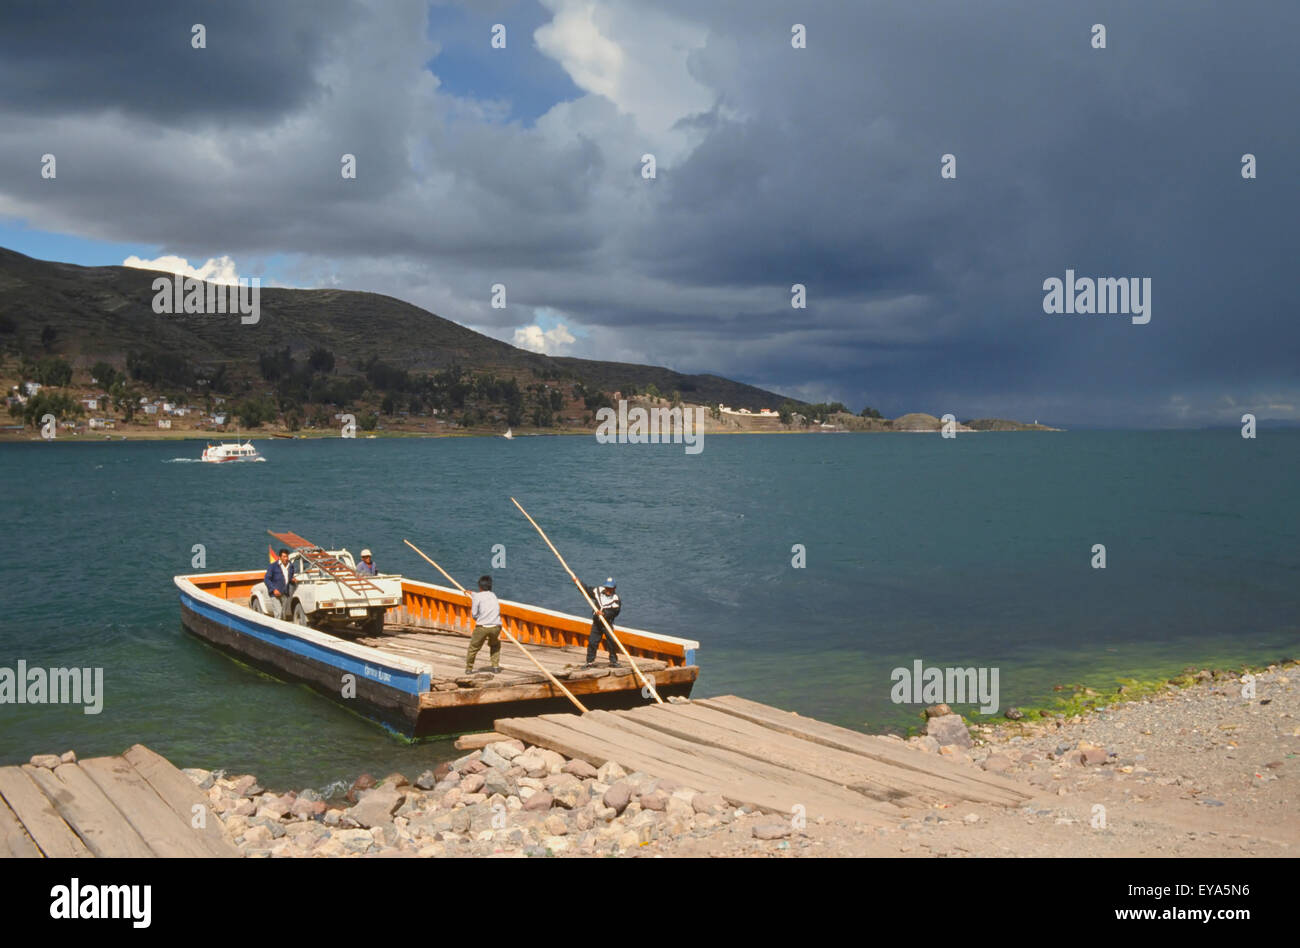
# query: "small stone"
{"points": [[711, 803], [354, 840], [70, 757], [618, 796], [949, 729], [427, 780], [495, 781], [997, 763], [332, 817], [555, 825], [507, 750], [1014, 714], [937, 711], [364, 782], [394, 780], [259, 835], [656, 800], [472, 783], [493, 760], [246, 786], [580, 769], [770, 830], [540, 800], [202, 778], [610, 772]]}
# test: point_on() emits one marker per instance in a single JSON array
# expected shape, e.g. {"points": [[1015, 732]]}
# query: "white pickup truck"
{"points": [[329, 595]]}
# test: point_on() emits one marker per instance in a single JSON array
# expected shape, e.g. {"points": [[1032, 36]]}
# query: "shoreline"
{"points": [[1198, 767]]}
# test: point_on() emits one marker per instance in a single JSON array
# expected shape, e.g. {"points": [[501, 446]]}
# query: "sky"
{"points": [[776, 163]]}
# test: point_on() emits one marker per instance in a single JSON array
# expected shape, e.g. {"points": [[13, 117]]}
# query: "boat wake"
{"points": [[181, 461]]}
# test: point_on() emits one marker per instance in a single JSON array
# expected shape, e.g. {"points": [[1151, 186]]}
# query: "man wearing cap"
{"points": [[366, 567], [608, 605]]}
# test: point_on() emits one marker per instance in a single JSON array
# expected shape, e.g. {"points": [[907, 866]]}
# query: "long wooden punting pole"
{"points": [[646, 683], [529, 655]]}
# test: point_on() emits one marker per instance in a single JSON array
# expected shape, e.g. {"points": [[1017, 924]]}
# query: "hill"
{"points": [[103, 314]]}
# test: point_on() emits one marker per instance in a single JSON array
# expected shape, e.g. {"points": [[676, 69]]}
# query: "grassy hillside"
{"points": [[105, 313]]}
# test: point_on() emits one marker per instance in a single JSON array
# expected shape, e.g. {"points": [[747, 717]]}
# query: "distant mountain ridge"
{"points": [[104, 313]]}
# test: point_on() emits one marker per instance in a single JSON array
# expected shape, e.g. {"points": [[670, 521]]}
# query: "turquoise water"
{"points": [[972, 552]]}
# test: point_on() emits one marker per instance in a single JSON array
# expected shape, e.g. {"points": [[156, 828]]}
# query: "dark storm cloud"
{"points": [[776, 166], [136, 57]]}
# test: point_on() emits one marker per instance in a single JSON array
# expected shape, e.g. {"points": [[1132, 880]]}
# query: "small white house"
{"points": [[164, 422], [218, 419], [92, 404], [151, 409], [31, 388]]}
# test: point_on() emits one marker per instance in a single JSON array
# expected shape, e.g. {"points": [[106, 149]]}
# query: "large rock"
{"points": [[427, 780], [49, 761], [618, 796], [376, 807], [997, 763], [949, 729], [555, 825], [395, 780], [494, 760], [937, 711], [472, 783], [679, 809]]}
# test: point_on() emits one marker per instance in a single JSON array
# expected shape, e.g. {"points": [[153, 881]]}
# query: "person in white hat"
{"points": [[609, 605], [366, 567]]}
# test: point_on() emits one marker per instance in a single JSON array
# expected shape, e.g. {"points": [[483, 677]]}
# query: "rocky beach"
{"points": [[1201, 767]]}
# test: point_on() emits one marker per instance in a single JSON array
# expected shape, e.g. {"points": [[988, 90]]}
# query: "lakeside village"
{"points": [[162, 395]]}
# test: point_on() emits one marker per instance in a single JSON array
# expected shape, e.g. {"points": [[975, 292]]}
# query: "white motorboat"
{"points": [[231, 451]]}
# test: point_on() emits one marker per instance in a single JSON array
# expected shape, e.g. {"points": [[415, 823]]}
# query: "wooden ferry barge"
{"points": [[411, 676]]}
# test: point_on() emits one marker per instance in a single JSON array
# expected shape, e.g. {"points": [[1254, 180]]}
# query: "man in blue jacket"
{"points": [[279, 576]]}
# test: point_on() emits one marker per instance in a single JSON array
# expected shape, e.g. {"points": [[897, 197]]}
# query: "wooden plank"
{"points": [[165, 833], [845, 770], [597, 752], [472, 742], [775, 791], [180, 794], [37, 814], [465, 696], [809, 789], [14, 841], [833, 763], [101, 825], [832, 735]]}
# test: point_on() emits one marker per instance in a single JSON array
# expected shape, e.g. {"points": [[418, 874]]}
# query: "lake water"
{"points": [[972, 552]]}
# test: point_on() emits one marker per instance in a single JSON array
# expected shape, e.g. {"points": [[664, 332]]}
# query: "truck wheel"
{"points": [[374, 624], [299, 616]]}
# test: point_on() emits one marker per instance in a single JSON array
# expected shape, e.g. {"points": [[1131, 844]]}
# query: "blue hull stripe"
{"points": [[377, 671]]}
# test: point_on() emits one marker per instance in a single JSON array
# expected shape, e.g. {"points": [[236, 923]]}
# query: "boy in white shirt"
{"points": [[485, 610]]}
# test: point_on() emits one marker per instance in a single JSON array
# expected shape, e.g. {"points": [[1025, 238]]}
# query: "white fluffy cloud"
{"points": [[216, 270], [553, 341]]}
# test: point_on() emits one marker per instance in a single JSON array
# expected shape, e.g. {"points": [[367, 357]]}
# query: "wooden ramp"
{"points": [[136, 805], [760, 756]]}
